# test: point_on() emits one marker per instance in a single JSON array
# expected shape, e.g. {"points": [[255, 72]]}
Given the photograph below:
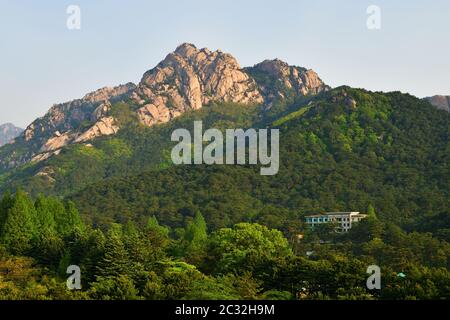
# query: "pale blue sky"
{"points": [[42, 62]]}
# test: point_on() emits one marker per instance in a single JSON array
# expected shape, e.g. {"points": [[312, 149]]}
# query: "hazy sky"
{"points": [[42, 62]]}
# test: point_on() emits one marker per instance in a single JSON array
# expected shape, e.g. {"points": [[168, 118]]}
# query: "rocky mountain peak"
{"points": [[65, 118], [8, 132], [275, 67], [189, 78], [186, 79], [106, 93], [298, 80], [186, 49]]}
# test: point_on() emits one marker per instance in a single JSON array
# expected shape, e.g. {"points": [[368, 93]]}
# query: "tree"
{"points": [[368, 229], [153, 225], [115, 260], [119, 287], [371, 212], [374, 225], [47, 244], [87, 250], [45, 214], [5, 205], [153, 289], [247, 247], [19, 227], [193, 243], [67, 219]]}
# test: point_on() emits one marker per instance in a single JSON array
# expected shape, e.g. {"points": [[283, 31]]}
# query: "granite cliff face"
{"points": [[189, 78], [8, 132], [77, 120], [440, 102], [276, 78], [186, 79]]}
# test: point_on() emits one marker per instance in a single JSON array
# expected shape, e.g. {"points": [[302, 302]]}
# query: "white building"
{"points": [[343, 220]]}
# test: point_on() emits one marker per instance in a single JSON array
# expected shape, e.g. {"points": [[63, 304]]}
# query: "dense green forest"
{"points": [[390, 151], [142, 228], [41, 238]]}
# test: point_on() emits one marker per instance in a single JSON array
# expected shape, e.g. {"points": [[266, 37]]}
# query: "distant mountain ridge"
{"points": [[8, 132], [440, 102], [187, 79]]}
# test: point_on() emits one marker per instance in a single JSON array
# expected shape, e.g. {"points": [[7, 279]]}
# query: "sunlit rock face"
{"points": [[187, 79], [190, 78]]}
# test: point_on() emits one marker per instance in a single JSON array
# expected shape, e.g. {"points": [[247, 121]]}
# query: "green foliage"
{"points": [[154, 226], [145, 234], [195, 238], [19, 225], [124, 115], [389, 152], [115, 260], [114, 288], [247, 262], [37, 228], [291, 116], [246, 247]]}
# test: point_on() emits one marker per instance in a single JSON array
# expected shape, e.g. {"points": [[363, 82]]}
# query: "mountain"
{"points": [[276, 80], [8, 132], [186, 79], [341, 148], [440, 102], [92, 184]]}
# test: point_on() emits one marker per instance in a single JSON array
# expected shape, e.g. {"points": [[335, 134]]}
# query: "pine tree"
{"points": [[5, 205], [369, 228], [375, 225], [115, 260], [195, 239], [371, 212], [87, 251], [45, 216], [19, 227], [67, 218], [153, 225], [157, 237], [196, 232]]}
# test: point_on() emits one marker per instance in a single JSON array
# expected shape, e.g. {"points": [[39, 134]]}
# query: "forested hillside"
{"points": [[141, 228], [343, 151]]}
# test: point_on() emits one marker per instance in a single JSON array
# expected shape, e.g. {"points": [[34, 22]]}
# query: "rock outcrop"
{"points": [[186, 79], [64, 123], [276, 78], [103, 127], [66, 117], [8, 132], [189, 78], [440, 102], [57, 142]]}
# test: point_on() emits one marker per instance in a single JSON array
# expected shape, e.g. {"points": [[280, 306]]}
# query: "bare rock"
{"points": [[350, 102], [68, 116], [45, 155], [57, 142], [189, 78], [440, 102], [299, 80], [104, 127]]}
